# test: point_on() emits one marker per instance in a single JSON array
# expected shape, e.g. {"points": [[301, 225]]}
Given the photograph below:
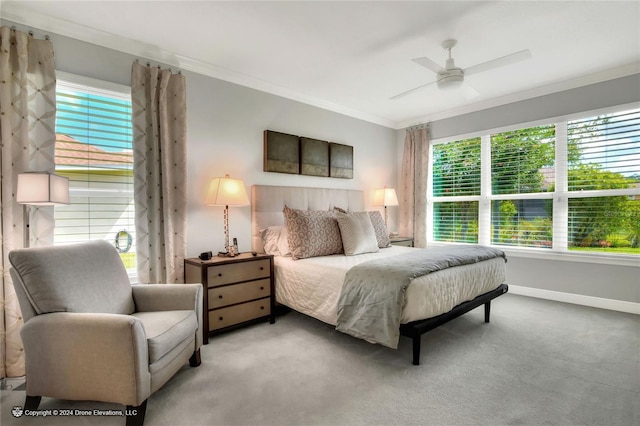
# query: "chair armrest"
{"points": [[167, 297], [170, 297], [87, 356]]}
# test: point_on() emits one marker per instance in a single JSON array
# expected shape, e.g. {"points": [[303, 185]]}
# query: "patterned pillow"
{"points": [[382, 234], [312, 233], [357, 233]]}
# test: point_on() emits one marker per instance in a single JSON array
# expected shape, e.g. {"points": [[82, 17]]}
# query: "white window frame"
{"points": [[560, 197]]}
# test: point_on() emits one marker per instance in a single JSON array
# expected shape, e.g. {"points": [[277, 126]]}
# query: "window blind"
{"points": [[604, 160], [456, 221], [522, 160], [604, 152], [456, 168], [94, 150]]}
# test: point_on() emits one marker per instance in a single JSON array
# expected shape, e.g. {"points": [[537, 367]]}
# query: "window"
{"points": [[562, 186], [522, 162], [603, 166], [456, 179], [94, 150]]}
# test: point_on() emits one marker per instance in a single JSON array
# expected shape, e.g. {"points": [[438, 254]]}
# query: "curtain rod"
{"points": [[31, 33], [418, 126], [148, 63]]}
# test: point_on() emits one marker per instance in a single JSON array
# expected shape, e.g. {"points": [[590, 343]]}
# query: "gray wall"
{"points": [[608, 281], [618, 91]]}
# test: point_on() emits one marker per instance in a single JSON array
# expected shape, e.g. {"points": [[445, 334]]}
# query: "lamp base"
{"points": [[229, 253]]}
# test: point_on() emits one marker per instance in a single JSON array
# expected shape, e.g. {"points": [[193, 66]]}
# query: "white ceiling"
{"points": [[351, 57]]}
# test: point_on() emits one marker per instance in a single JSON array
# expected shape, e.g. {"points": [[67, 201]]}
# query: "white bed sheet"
{"points": [[312, 286]]}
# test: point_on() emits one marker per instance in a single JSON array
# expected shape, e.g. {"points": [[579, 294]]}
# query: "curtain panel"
{"points": [[159, 110], [27, 128], [413, 186]]}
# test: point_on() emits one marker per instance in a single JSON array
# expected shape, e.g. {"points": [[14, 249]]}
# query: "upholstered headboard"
{"points": [[267, 204]]}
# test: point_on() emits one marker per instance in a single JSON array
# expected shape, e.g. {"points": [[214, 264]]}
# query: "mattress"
{"points": [[312, 286]]}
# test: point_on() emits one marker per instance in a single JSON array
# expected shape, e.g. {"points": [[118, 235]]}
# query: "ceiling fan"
{"points": [[451, 77]]}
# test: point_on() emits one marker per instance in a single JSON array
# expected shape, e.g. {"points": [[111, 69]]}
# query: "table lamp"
{"points": [[226, 192], [385, 197]]}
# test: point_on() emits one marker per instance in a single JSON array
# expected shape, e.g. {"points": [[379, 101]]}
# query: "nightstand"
{"points": [[238, 289], [402, 241]]}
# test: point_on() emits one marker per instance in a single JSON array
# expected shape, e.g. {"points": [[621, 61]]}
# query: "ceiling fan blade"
{"points": [[428, 63], [498, 62], [468, 91], [408, 92]]}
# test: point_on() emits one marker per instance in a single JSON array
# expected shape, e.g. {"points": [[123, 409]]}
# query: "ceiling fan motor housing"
{"points": [[450, 79]]}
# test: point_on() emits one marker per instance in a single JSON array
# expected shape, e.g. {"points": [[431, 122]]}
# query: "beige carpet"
{"points": [[537, 362]]}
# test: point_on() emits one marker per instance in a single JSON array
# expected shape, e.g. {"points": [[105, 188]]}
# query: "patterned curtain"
{"points": [[159, 155], [27, 127], [413, 186]]}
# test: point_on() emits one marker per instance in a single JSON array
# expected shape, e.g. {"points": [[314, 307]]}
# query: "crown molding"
{"points": [[13, 12]]}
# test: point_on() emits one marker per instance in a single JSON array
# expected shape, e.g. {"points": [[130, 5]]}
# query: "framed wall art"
{"points": [[314, 157], [341, 161], [281, 152]]}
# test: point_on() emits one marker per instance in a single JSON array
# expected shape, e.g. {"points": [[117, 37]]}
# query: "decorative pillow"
{"points": [[357, 233], [312, 232], [382, 234], [274, 240]]}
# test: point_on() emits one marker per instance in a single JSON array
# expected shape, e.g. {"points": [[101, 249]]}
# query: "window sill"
{"points": [[565, 256]]}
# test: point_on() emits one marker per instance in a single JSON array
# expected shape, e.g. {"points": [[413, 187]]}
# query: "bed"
{"points": [[316, 285]]}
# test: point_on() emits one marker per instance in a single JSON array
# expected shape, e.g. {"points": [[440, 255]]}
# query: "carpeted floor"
{"points": [[537, 362]]}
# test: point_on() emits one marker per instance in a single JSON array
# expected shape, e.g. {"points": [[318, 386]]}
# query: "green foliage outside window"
{"points": [[601, 155]]}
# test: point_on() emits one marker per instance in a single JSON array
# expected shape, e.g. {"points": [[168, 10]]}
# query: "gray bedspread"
{"points": [[370, 304]]}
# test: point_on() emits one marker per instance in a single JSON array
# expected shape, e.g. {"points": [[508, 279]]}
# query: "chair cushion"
{"points": [[85, 277], [166, 329]]}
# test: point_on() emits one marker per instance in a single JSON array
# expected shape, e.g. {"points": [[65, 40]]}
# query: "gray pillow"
{"points": [[358, 235]]}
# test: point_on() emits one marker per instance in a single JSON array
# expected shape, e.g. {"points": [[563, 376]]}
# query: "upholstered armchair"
{"points": [[90, 335]]}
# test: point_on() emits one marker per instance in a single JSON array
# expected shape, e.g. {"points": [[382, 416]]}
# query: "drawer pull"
{"points": [[262, 268], [219, 274], [220, 297], [262, 307], [220, 318], [261, 288]]}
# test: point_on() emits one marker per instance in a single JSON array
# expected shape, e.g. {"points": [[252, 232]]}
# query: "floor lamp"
{"points": [[227, 192], [40, 189]]}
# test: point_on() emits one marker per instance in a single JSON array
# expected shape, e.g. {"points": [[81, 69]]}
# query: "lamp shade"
{"points": [[226, 191], [385, 197], [42, 189]]}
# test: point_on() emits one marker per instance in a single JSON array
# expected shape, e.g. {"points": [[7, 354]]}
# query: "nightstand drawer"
{"points": [[236, 314], [236, 272], [232, 294]]}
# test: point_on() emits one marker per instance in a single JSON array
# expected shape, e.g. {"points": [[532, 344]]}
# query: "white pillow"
{"points": [[358, 235], [274, 239]]}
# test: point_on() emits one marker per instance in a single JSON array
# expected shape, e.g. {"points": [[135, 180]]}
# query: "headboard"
{"points": [[267, 204]]}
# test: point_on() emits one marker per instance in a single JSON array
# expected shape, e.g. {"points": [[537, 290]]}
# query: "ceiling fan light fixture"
{"points": [[450, 79]]}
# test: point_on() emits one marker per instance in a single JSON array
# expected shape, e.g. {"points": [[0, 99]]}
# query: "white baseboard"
{"points": [[577, 299]]}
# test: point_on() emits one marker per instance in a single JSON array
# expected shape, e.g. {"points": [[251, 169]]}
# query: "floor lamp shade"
{"points": [[42, 189]]}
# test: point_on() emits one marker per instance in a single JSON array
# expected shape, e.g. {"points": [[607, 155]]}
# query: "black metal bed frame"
{"points": [[416, 329]]}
